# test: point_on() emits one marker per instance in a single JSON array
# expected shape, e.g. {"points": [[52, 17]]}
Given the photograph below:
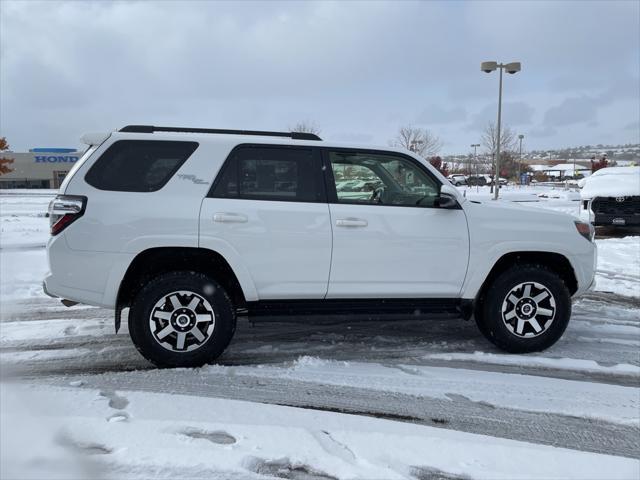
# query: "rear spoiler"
{"points": [[94, 139]]}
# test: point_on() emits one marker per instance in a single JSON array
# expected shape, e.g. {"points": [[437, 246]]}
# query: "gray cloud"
{"points": [[573, 110], [513, 113], [436, 114], [633, 126], [543, 131], [70, 67]]}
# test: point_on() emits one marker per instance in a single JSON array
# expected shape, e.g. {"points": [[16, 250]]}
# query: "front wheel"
{"points": [[526, 309], [181, 319]]}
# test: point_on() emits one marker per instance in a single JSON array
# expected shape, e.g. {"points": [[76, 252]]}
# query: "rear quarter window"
{"points": [[138, 165], [271, 173]]}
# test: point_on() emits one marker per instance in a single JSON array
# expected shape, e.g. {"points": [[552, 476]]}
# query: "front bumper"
{"points": [[602, 219]]}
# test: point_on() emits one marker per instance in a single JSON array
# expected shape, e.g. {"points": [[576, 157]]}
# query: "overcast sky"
{"points": [[359, 70]]}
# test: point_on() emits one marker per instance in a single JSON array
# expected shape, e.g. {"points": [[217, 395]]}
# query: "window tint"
{"points": [[370, 178], [138, 165], [267, 173]]}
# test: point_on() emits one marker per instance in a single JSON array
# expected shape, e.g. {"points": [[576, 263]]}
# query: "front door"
{"points": [[269, 206], [390, 240]]}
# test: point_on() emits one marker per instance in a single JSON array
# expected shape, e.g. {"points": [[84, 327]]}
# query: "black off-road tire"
{"points": [[211, 297], [490, 315]]}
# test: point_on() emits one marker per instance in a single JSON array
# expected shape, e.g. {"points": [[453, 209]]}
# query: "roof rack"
{"points": [[151, 129]]}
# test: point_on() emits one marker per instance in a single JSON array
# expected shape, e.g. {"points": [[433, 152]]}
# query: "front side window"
{"points": [[372, 178], [138, 165], [269, 173]]}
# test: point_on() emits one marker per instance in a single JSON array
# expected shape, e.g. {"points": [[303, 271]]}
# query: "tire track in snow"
{"points": [[456, 413]]}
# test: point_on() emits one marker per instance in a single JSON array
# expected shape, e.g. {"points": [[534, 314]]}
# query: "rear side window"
{"points": [[138, 165], [270, 173]]}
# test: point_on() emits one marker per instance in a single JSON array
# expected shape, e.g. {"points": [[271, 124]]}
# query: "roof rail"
{"points": [[151, 129]]}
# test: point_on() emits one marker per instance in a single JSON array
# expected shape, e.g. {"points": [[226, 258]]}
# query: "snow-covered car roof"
{"points": [[617, 171], [612, 182]]}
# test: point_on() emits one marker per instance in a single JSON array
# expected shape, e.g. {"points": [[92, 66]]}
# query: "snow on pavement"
{"points": [[581, 394], [619, 266], [22, 218], [138, 435], [531, 393]]}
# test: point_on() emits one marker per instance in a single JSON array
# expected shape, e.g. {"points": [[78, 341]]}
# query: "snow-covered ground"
{"points": [[360, 399]]}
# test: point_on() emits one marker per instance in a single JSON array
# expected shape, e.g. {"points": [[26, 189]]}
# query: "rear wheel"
{"points": [[181, 319], [526, 309]]}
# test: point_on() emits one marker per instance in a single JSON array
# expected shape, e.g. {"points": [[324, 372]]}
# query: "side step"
{"points": [[350, 308]]}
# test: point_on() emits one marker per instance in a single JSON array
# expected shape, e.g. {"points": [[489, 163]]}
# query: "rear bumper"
{"points": [[44, 289], [92, 278], [54, 289]]}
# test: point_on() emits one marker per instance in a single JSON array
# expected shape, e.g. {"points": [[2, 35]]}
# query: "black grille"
{"points": [[616, 205]]}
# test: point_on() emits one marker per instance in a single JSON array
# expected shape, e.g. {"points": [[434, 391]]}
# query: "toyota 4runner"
{"points": [[190, 227]]}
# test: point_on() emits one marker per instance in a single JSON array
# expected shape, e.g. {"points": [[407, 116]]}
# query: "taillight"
{"points": [[586, 230], [64, 210]]}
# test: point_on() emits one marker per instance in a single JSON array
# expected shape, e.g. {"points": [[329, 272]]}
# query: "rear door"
{"points": [[269, 206], [390, 238]]}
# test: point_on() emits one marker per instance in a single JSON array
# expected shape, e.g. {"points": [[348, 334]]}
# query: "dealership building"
{"points": [[39, 167]]}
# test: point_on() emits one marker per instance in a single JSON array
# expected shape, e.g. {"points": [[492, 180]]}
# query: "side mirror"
{"points": [[447, 197], [446, 201]]}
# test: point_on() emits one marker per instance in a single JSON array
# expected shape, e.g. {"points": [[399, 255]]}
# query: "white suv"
{"points": [[190, 227], [457, 180]]}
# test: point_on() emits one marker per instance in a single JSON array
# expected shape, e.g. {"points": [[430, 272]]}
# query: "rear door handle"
{"points": [[229, 218], [351, 222]]}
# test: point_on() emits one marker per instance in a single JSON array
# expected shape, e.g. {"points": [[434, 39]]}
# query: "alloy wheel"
{"points": [[182, 321], [528, 309]]}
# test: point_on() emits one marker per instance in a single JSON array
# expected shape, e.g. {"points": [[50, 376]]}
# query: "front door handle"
{"points": [[229, 218], [351, 222]]}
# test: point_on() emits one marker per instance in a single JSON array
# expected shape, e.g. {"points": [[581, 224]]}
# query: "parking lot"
{"points": [[581, 394]]}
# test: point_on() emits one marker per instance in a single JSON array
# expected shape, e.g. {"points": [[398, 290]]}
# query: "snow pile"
{"points": [[573, 364], [618, 269], [612, 182]]}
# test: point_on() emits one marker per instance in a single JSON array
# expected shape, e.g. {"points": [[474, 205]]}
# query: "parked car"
{"points": [[457, 180], [474, 180], [190, 228], [503, 181], [611, 196]]}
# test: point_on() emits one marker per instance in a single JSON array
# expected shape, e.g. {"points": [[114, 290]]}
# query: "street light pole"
{"points": [[496, 181], [520, 159], [475, 159], [511, 68]]}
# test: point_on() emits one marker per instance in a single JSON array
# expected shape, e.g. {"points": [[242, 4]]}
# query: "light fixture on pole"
{"points": [[488, 67]]}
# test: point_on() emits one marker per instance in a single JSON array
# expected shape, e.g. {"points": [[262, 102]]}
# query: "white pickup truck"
{"points": [[611, 196]]}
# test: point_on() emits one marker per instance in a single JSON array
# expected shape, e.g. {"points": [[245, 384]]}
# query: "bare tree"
{"points": [[305, 126], [420, 141], [489, 139]]}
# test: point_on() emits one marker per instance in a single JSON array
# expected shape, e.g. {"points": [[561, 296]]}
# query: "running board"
{"points": [[348, 308]]}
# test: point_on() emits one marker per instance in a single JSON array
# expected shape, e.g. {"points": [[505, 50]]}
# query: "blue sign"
{"points": [[524, 179], [56, 159], [53, 150]]}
